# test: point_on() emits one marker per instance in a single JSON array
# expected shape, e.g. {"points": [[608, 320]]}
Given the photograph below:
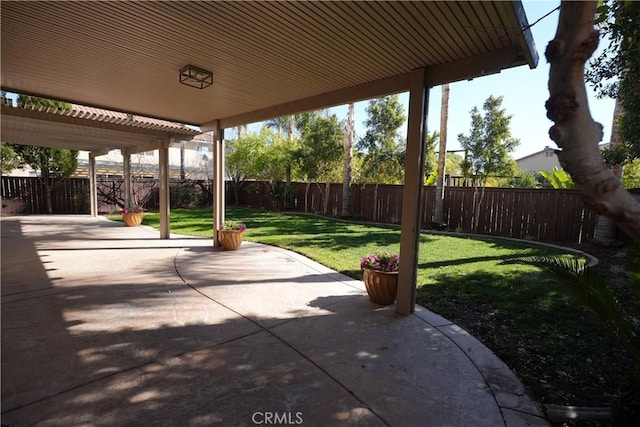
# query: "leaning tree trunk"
{"points": [[346, 163], [575, 131], [438, 214]]}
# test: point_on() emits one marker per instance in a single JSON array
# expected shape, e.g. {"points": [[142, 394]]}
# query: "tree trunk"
{"points": [[605, 234], [346, 163], [478, 198], [236, 190], [48, 189], [324, 197], [575, 131], [306, 197], [438, 215], [47, 183]]}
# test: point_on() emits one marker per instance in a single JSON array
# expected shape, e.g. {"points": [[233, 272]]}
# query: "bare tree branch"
{"points": [[575, 131]]}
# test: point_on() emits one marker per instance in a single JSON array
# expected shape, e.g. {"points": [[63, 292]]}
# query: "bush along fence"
{"points": [[538, 214]]}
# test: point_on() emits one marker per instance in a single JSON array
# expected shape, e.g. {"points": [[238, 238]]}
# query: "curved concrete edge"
{"points": [[516, 406], [510, 394], [508, 390]]}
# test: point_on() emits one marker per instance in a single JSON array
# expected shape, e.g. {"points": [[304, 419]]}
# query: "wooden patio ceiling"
{"points": [[268, 58]]}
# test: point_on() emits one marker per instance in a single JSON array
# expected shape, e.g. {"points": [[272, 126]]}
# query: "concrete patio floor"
{"points": [[108, 325]]}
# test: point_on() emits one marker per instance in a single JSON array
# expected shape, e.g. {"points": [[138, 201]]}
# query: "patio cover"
{"points": [[268, 59]]}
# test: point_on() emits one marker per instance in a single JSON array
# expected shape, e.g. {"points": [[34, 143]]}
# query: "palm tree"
{"points": [[442, 157], [594, 293], [349, 136], [278, 124]]}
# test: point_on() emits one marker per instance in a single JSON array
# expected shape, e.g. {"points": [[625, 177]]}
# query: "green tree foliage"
{"points": [[273, 157], [430, 161], [240, 161], [319, 154], [43, 102], [380, 148], [489, 143], [8, 158], [454, 164], [288, 124], [631, 176], [320, 150], [53, 164], [615, 72], [521, 179], [487, 149], [558, 178]]}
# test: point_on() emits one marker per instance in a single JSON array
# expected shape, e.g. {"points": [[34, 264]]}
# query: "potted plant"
{"points": [[230, 234], [381, 276], [132, 217]]}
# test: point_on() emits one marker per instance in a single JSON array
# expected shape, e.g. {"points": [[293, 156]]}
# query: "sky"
{"points": [[524, 91]]}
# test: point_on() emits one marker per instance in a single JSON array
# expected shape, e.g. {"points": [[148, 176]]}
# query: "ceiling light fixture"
{"points": [[196, 77]]}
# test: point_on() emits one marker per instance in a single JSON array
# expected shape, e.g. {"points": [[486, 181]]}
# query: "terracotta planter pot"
{"points": [[230, 239], [381, 286], [132, 219]]}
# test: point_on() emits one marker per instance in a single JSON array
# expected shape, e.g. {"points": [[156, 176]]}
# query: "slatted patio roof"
{"points": [[267, 58], [87, 128]]}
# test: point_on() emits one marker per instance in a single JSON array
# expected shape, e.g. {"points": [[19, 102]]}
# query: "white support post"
{"points": [[126, 177], [412, 192], [163, 178], [93, 191], [218, 182]]}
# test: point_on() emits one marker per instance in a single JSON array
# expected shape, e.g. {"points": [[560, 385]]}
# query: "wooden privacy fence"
{"points": [[538, 214], [27, 196]]}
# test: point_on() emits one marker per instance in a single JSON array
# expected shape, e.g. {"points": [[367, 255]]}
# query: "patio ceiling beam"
{"points": [[476, 66], [370, 90], [100, 152], [150, 146]]}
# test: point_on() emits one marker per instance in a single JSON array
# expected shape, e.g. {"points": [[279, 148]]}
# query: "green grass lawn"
{"points": [[559, 351]]}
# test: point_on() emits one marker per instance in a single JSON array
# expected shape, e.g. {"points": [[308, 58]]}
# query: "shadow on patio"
{"points": [[177, 333]]}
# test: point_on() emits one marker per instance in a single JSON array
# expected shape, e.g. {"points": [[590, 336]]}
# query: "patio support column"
{"points": [[218, 182], [163, 184], [126, 177], [93, 191], [412, 192]]}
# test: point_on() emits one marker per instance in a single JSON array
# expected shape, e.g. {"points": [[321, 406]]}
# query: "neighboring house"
{"points": [[542, 160], [198, 161]]}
